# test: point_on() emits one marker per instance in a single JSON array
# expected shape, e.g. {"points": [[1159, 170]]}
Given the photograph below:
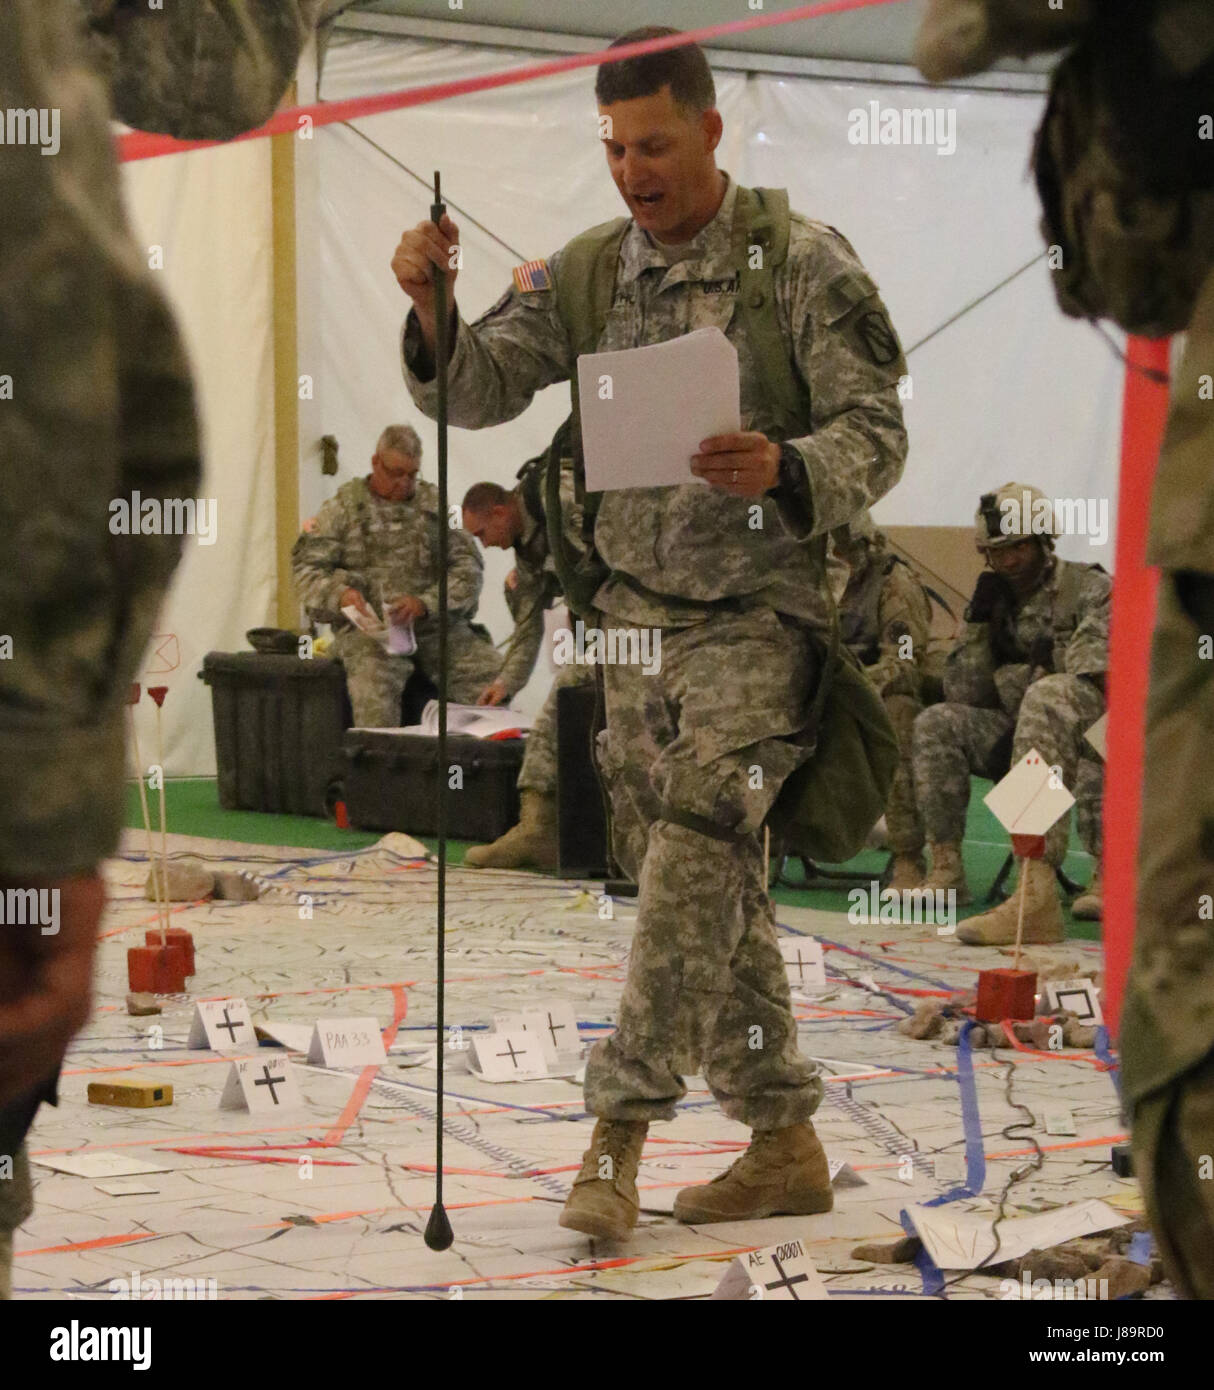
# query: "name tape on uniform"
{"points": [[347, 1042], [260, 1086], [223, 1025]]}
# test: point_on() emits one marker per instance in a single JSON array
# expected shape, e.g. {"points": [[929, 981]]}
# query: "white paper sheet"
{"points": [[98, 1165], [962, 1239], [646, 410]]}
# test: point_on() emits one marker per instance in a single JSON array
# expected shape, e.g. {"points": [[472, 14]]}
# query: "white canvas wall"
{"points": [[1012, 391]]}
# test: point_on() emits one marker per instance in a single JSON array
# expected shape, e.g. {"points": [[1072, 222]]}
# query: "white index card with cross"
{"points": [[1030, 798], [260, 1085], [223, 1025], [805, 963], [783, 1272], [515, 1056], [556, 1027]]}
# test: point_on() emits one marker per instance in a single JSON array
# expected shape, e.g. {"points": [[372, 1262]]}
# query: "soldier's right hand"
{"points": [[419, 251], [351, 598], [992, 593]]}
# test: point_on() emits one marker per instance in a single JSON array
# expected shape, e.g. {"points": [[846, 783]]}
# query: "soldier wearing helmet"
{"points": [[1028, 671]]}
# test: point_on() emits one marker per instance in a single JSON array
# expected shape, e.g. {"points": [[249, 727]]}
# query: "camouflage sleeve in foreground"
{"points": [[905, 611], [1087, 651], [101, 405], [516, 349], [961, 37], [969, 673], [848, 352], [318, 560], [202, 69], [465, 574]]}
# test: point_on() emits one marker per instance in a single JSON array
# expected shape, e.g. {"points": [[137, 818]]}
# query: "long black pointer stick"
{"points": [[438, 1229]]}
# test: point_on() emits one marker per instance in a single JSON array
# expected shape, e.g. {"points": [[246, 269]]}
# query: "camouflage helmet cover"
{"points": [[1012, 513]]}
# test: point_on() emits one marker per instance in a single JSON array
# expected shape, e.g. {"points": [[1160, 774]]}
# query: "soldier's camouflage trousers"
{"points": [[376, 679], [951, 741], [902, 819], [16, 1203], [1167, 1024], [538, 772], [699, 744]]}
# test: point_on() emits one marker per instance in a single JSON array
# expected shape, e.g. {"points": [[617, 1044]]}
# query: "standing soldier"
{"points": [[1028, 671], [102, 403], [517, 519], [885, 618], [374, 546], [732, 577]]}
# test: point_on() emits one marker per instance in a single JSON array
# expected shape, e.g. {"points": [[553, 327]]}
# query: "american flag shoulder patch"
{"points": [[532, 276]]}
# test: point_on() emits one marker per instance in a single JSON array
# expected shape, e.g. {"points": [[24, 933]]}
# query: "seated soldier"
{"points": [[1028, 671], [516, 519], [885, 619], [374, 546]]}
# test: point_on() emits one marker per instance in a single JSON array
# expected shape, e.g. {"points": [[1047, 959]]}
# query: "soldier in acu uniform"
{"points": [[101, 404], [517, 519], [374, 546], [1027, 672], [733, 576], [885, 619]]}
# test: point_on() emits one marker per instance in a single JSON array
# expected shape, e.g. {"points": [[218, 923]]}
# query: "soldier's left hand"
{"points": [[406, 610], [746, 464]]}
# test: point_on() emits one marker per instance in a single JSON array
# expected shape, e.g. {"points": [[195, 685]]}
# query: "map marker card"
{"points": [[223, 1025], [260, 1085]]}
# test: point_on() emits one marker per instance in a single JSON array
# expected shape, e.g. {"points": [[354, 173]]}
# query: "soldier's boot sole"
{"points": [[597, 1209]]}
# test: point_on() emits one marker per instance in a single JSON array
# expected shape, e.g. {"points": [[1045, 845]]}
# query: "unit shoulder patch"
{"points": [[532, 277]]}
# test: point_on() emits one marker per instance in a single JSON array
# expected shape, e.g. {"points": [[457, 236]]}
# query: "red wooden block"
{"points": [[1028, 846], [175, 936], [156, 969], [342, 816], [1006, 994]]}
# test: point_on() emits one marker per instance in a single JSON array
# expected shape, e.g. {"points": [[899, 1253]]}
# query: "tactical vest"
{"points": [[585, 289]]}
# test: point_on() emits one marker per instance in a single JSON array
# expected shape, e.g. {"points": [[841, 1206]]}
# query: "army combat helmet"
{"points": [[1011, 514]]}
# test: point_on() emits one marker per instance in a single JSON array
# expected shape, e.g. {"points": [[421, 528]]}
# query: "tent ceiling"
{"points": [[883, 34]]}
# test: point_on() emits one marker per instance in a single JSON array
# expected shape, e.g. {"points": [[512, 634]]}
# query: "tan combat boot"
{"points": [[783, 1173], [531, 843], [948, 871], [1089, 905], [604, 1201], [908, 872], [1043, 924]]}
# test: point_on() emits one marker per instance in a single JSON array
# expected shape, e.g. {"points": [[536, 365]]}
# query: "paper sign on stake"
{"points": [[1078, 997], [223, 1025], [1030, 798], [805, 963], [347, 1042], [260, 1085], [783, 1272], [510, 1056], [1098, 736]]}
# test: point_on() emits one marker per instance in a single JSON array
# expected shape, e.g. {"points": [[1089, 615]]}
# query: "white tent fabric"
{"points": [[1011, 391], [208, 212]]}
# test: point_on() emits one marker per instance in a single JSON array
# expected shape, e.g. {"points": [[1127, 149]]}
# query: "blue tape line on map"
{"points": [[933, 1279], [1142, 1247], [889, 965], [476, 1100], [1102, 1051]]}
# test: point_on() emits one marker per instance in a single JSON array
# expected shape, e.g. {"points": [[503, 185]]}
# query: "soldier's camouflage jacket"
{"points": [[1066, 617], [682, 547], [883, 605], [100, 401], [383, 549]]}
